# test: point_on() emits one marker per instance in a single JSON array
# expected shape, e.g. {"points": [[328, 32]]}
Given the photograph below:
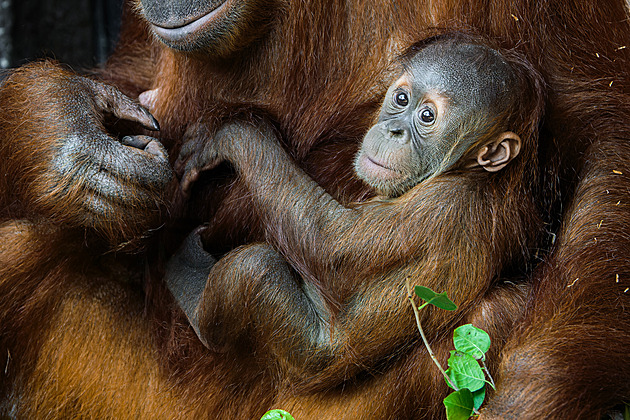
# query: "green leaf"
{"points": [[471, 340], [449, 373], [277, 415], [440, 300], [478, 397], [465, 372], [459, 405]]}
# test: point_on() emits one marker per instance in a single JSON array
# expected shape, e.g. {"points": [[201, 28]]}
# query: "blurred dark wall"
{"points": [[80, 33]]}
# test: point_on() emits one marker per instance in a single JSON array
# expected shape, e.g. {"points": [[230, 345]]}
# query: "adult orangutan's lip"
{"points": [[185, 30]]}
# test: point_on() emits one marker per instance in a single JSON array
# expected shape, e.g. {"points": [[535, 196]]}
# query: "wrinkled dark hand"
{"points": [[74, 169]]}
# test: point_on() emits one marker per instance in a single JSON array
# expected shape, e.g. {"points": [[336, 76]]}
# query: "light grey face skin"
{"points": [[181, 24], [219, 27], [447, 100]]}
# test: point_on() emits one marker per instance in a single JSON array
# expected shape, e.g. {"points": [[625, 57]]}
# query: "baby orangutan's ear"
{"points": [[495, 155]]}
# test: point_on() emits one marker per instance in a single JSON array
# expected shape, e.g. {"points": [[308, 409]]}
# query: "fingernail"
{"points": [[156, 125]]}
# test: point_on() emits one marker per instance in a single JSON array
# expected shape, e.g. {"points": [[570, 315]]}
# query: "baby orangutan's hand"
{"points": [[240, 142], [198, 154]]}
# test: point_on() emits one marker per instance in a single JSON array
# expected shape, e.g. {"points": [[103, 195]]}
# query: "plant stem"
{"points": [[483, 364], [424, 338]]}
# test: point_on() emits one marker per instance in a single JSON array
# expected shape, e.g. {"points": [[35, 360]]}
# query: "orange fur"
{"points": [[320, 72]]}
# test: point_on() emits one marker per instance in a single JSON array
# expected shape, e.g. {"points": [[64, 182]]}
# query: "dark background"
{"points": [[80, 33]]}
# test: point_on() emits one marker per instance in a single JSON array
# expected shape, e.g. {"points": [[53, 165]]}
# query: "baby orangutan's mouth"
{"points": [[378, 163], [377, 168]]}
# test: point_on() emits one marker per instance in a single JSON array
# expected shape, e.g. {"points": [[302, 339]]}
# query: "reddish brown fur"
{"points": [[319, 73], [378, 244]]}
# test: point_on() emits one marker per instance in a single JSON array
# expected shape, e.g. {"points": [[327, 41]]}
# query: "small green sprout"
{"points": [[466, 372], [277, 415]]}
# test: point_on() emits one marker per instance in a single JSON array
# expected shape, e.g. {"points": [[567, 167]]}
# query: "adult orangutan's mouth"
{"points": [[181, 31]]}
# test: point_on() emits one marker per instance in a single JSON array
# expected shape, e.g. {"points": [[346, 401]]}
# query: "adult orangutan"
{"points": [[79, 336]]}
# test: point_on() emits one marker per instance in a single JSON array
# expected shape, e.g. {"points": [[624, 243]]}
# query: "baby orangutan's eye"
{"points": [[401, 98], [427, 116]]}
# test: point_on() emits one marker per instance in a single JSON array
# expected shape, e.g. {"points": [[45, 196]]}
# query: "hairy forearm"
{"points": [[17, 147], [302, 219], [296, 211]]}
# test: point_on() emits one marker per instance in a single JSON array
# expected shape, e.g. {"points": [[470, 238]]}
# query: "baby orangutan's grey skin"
{"points": [[332, 278], [448, 105]]}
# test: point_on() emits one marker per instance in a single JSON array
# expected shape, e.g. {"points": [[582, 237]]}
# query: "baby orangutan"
{"points": [[453, 157]]}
